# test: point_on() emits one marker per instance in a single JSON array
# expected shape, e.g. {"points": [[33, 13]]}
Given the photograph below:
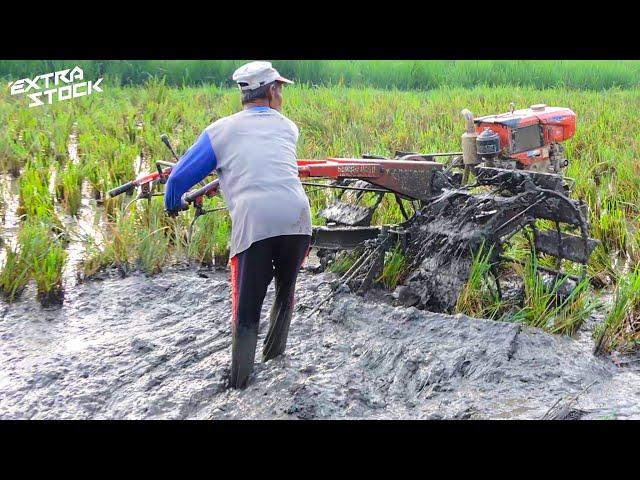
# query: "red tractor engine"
{"points": [[528, 139]]}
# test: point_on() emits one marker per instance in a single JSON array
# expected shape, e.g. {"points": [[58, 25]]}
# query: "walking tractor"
{"points": [[508, 178]]}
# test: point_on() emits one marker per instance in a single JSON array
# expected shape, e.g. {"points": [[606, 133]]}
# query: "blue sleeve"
{"points": [[198, 162]]}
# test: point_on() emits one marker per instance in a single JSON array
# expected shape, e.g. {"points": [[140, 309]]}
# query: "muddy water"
{"points": [[10, 218], [160, 347], [82, 228]]}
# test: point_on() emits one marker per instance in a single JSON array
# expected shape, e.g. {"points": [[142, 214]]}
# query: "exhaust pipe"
{"points": [[469, 150], [468, 120]]}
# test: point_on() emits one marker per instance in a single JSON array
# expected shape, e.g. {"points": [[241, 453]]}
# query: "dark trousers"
{"points": [[251, 273]]}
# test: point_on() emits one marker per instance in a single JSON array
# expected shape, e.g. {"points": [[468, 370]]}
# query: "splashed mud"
{"points": [[159, 347]]}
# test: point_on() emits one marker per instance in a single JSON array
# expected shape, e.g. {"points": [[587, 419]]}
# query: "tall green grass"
{"points": [[401, 74]]}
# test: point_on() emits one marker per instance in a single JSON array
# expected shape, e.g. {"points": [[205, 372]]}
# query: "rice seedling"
{"points": [[221, 241], [395, 267], [68, 187], [152, 240], [479, 297], [547, 305], [621, 327], [94, 260], [152, 250], [15, 274], [35, 199], [40, 256], [202, 244], [45, 256], [344, 261], [207, 242], [121, 242]]}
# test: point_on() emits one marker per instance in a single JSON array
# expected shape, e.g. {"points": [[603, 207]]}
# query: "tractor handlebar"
{"points": [[127, 187], [209, 189], [194, 197], [160, 175]]}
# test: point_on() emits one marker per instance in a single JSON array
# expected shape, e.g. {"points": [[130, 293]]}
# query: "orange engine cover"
{"points": [[529, 129]]}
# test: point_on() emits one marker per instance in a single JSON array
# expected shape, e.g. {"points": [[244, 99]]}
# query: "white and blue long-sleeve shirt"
{"points": [[254, 154], [198, 162]]}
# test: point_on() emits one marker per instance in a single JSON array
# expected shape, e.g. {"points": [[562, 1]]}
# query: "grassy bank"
{"points": [[118, 133]]}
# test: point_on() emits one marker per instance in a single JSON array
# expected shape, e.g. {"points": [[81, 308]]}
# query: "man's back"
{"points": [[256, 162], [254, 153]]}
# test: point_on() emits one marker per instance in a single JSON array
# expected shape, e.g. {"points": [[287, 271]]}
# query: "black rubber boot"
{"points": [[280, 319], [289, 255], [243, 352]]}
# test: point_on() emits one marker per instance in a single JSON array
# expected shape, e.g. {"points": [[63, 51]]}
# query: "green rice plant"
{"points": [[95, 172], [121, 242], [571, 312], [46, 256], [95, 259], [621, 327], [601, 269], [543, 305], [47, 273], [479, 297], [39, 255], [15, 274], [14, 156], [395, 267], [612, 228], [221, 237], [201, 246], [209, 236], [68, 187], [35, 199], [153, 248], [7, 157], [344, 261]]}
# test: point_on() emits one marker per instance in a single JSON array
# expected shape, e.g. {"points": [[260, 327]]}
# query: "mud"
{"points": [[159, 348], [444, 238]]}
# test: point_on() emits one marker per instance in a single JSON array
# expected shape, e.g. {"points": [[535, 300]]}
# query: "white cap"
{"points": [[255, 74]]}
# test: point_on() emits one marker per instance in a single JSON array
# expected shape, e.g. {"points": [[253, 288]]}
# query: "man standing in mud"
{"points": [[254, 154]]}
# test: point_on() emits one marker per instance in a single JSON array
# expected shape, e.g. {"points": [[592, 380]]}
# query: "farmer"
{"points": [[254, 154]]}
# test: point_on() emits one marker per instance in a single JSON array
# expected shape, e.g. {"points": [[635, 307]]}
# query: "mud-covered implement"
{"points": [[517, 161]]}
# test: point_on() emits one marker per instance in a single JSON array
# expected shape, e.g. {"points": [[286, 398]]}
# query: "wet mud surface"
{"points": [[159, 348]]}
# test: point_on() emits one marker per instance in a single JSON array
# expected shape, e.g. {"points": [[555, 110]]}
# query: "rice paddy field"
{"points": [[58, 161]]}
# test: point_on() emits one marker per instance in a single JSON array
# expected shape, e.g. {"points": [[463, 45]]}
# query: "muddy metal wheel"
{"points": [[533, 235]]}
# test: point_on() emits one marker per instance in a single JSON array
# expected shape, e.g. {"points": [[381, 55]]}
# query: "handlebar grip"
{"points": [[191, 197], [127, 187]]}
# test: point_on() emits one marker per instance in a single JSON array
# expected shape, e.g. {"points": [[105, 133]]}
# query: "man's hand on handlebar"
{"points": [[184, 205]]}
